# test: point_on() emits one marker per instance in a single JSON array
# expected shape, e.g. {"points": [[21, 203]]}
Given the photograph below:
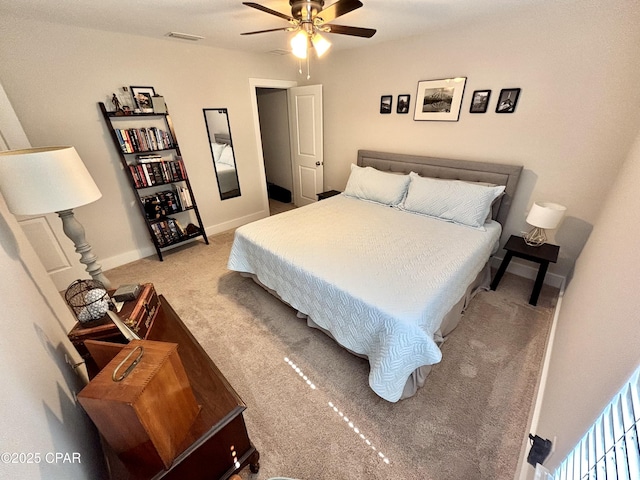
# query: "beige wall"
{"points": [[39, 413], [598, 331], [575, 120], [54, 75], [573, 124]]}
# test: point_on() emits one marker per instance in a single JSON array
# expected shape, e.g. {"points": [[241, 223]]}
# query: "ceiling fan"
{"points": [[309, 18]]}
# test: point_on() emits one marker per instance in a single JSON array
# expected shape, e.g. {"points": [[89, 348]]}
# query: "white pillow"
{"points": [[367, 183], [452, 200], [226, 157], [216, 149]]}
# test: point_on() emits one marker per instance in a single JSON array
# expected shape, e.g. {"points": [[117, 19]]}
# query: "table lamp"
{"points": [[543, 216], [43, 180]]}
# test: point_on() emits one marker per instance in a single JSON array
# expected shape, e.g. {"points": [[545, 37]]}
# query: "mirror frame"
{"points": [[235, 192]]}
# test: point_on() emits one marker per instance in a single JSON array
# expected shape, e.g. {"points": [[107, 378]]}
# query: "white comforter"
{"points": [[379, 279]]}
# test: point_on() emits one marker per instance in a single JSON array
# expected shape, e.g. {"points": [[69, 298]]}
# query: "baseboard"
{"points": [[529, 271], [127, 257], [524, 470], [133, 255], [235, 223]]}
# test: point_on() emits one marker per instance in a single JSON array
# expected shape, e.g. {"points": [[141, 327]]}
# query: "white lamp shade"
{"points": [[299, 44], [35, 181], [320, 44], [545, 215]]}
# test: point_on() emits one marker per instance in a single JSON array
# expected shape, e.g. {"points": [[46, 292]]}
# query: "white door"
{"points": [[44, 231], [305, 123]]}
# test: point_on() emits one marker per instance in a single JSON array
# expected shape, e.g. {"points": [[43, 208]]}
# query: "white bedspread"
{"points": [[379, 279]]}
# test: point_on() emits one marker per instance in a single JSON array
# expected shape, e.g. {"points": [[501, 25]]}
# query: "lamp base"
{"points": [[75, 231], [535, 237]]}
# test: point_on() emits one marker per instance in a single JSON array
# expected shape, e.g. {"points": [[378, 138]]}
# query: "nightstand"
{"points": [[543, 255], [327, 194]]}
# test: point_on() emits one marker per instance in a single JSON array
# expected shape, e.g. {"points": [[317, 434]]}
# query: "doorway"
{"points": [[273, 119], [276, 85], [296, 142]]}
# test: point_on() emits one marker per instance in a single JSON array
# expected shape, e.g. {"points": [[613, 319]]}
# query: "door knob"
{"points": [[318, 164]]}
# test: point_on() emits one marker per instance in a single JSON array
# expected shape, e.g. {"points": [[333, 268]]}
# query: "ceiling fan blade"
{"points": [[266, 31], [262, 8], [353, 31], [338, 9]]}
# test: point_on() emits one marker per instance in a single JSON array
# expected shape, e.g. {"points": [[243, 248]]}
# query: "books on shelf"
{"points": [[161, 204], [133, 140], [148, 172], [184, 197], [168, 231]]}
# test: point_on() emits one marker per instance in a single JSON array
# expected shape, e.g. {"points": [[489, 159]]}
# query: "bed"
{"points": [[387, 267], [223, 157]]}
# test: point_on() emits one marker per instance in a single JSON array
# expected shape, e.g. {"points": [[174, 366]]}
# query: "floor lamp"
{"points": [[43, 180]]}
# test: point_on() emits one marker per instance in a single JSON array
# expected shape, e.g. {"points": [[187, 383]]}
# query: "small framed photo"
{"points": [[439, 99], [507, 100], [385, 103], [142, 96], [403, 103], [480, 101]]}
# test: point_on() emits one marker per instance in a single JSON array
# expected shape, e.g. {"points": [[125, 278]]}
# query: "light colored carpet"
{"points": [[467, 423]]}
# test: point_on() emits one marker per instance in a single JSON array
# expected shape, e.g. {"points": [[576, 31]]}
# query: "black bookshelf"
{"points": [[150, 155]]}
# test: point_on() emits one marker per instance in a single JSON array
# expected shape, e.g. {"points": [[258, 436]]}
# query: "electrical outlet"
{"points": [[74, 365]]}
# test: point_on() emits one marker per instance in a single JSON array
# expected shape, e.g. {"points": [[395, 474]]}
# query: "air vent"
{"points": [[185, 36], [279, 52]]}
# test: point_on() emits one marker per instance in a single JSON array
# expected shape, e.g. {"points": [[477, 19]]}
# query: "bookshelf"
{"points": [[148, 149]]}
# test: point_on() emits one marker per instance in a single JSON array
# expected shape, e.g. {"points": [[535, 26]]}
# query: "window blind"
{"points": [[610, 449]]}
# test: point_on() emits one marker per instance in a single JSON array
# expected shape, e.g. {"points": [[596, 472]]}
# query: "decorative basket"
{"points": [[89, 301]]}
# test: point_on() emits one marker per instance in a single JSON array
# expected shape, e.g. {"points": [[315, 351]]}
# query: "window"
{"points": [[610, 449]]}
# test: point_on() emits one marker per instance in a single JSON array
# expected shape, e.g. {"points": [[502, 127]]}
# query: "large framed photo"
{"points": [[507, 100], [480, 101], [142, 96], [439, 99]]}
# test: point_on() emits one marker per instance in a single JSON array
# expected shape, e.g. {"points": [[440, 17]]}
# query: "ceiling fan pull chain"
{"points": [[308, 72], [300, 66]]}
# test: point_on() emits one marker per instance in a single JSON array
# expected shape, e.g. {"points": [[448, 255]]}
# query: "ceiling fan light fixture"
{"points": [[299, 43], [320, 44]]}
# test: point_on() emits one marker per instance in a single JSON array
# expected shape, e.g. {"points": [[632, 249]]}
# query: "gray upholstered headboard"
{"points": [[496, 173], [223, 138]]}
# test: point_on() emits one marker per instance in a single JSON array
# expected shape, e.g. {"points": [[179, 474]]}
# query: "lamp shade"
{"points": [[545, 215], [42, 180]]}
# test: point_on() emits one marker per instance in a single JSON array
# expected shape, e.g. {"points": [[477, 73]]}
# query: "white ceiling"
{"points": [[222, 21]]}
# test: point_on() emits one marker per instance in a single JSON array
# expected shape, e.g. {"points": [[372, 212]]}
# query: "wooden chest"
{"points": [[146, 415]]}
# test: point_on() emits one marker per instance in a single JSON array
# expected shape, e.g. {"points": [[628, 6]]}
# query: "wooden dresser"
{"points": [[218, 445]]}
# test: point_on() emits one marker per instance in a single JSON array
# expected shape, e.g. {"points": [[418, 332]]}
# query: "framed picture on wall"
{"points": [[439, 99], [403, 103], [385, 103], [480, 101], [507, 100], [142, 97]]}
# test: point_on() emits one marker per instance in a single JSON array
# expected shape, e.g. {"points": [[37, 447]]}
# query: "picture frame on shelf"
{"points": [[403, 103], [507, 100], [480, 101], [385, 103], [439, 100], [142, 97]]}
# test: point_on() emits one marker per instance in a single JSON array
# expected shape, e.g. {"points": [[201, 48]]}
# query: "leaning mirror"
{"points": [[224, 160]]}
